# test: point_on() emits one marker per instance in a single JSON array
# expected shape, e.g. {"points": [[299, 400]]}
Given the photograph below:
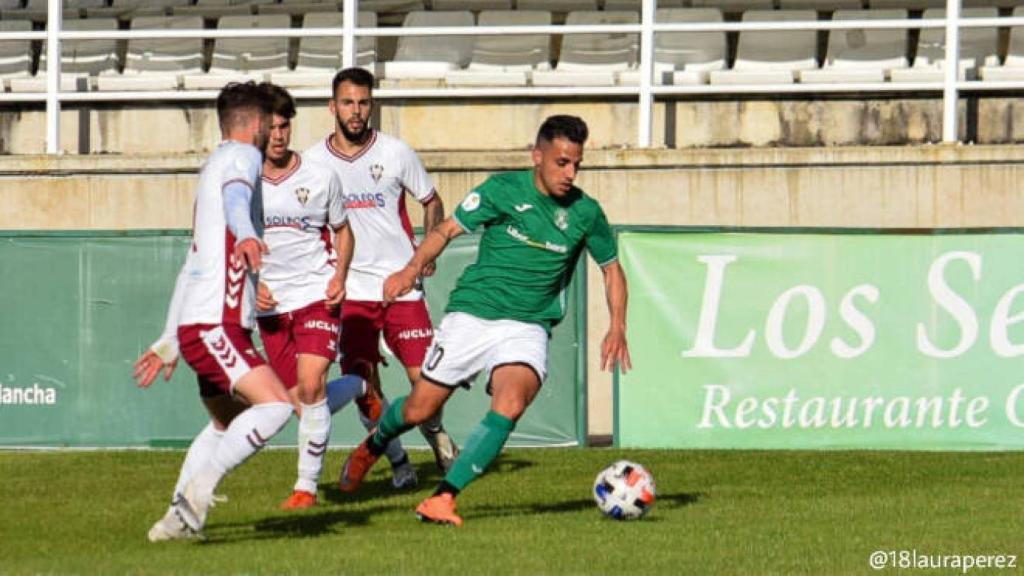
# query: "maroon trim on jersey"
{"points": [[248, 184], [234, 282], [357, 155], [433, 192], [277, 181], [403, 216]]}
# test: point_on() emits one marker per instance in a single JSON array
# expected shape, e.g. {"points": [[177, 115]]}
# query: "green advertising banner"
{"points": [[800, 340], [79, 308]]}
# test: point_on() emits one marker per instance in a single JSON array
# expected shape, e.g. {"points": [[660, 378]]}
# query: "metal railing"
{"points": [[646, 91]]}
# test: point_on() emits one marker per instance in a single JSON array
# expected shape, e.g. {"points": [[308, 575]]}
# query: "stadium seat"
{"points": [[820, 5], [685, 58], [15, 55], [734, 6], [431, 57], [128, 9], [593, 59], [244, 58], [562, 6], [158, 64], [391, 6], [474, 5], [36, 11], [978, 47], [905, 4], [1012, 69], [299, 7], [79, 60], [506, 60], [10, 5], [320, 57], [636, 4], [214, 9], [861, 55], [770, 57]]}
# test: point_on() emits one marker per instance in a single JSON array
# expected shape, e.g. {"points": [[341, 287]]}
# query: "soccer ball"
{"points": [[624, 490]]}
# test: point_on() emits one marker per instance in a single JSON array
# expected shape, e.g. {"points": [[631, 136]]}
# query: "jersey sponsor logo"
{"points": [[321, 325], [549, 246], [561, 219], [277, 221], [415, 334], [523, 207], [376, 171], [302, 194], [471, 202], [356, 201]]}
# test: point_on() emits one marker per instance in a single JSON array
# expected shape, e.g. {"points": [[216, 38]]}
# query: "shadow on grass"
{"points": [[572, 506]]}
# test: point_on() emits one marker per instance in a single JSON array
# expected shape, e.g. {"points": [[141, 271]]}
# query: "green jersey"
{"points": [[529, 249]]}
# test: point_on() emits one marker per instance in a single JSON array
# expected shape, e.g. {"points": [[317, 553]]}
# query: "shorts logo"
{"points": [[415, 333], [302, 194], [471, 202], [224, 353], [321, 325], [561, 219], [376, 171]]}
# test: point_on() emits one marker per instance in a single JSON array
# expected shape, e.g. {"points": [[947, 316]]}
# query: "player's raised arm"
{"points": [[614, 349], [434, 242]]}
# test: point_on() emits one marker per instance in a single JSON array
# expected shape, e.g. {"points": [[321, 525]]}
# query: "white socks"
{"points": [[314, 430], [246, 435], [199, 453]]}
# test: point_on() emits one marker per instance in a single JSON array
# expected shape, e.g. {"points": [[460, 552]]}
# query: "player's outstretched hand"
{"points": [[250, 251], [148, 366], [614, 350], [399, 284], [264, 298], [335, 292]]}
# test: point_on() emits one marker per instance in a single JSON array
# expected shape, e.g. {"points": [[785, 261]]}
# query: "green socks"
{"points": [[482, 447], [390, 426]]}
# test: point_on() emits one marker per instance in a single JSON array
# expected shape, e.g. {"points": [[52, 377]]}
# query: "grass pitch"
{"points": [[717, 513]]}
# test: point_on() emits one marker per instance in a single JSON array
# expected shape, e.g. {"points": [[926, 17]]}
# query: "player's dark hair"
{"points": [[281, 102], [354, 75], [237, 101], [572, 128]]}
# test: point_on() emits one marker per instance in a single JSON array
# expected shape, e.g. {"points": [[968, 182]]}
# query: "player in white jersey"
{"points": [[211, 316], [301, 288], [377, 172]]}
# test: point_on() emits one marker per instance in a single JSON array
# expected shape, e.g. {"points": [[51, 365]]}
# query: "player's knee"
{"points": [[416, 413]]}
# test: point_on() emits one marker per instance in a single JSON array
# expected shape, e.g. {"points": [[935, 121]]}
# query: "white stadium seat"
{"points": [[637, 4], [158, 64], [978, 47], [860, 55], [770, 57], [563, 6], [820, 5], [685, 58], [431, 57], [506, 60], [1012, 69], [15, 55], [734, 6], [474, 5], [386, 6], [128, 9], [320, 57], [238, 59], [213, 9], [299, 7], [79, 59], [593, 59]]}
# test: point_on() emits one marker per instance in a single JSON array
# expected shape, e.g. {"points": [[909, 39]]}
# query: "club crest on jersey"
{"points": [[376, 171], [561, 219], [302, 194]]}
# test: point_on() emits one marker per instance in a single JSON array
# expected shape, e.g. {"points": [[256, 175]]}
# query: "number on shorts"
{"points": [[436, 353]]}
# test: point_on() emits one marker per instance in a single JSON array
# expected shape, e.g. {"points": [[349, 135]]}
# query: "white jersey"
{"points": [[301, 211], [375, 182], [216, 288]]}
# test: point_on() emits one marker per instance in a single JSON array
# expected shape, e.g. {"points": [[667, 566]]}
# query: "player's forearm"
{"points": [[166, 347], [617, 295], [433, 244], [433, 214], [344, 242], [237, 210]]}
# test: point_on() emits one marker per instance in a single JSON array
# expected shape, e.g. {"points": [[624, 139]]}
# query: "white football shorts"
{"points": [[464, 345]]}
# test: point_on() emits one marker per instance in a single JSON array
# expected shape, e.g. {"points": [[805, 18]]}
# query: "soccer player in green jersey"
{"points": [[500, 315]]}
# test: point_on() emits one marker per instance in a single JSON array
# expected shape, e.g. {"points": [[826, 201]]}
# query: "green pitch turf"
{"points": [[717, 513]]}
